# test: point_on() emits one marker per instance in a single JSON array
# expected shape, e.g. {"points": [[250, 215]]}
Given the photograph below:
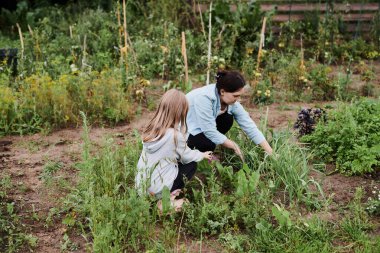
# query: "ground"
{"points": [[24, 157]]}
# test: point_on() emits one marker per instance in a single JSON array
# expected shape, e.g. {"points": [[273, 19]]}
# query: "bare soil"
{"points": [[24, 157]]}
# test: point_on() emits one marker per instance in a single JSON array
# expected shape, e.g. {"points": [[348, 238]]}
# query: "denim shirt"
{"points": [[204, 105]]}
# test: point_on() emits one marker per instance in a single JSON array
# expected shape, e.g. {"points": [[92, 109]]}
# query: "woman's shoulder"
{"points": [[206, 93], [208, 90]]}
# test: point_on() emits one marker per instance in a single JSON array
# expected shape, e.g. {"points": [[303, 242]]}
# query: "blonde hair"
{"points": [[171, 112]]}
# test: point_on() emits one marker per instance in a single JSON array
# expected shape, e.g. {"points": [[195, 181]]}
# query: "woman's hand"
{"points": [[232, 145], [207, 155], [267, 148], [238, 152]]}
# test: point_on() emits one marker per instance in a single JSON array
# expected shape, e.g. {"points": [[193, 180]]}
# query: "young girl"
{"points": [[164, 147]]}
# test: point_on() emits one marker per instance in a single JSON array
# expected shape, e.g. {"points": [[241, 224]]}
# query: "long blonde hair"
{"points": [[171, 112]]}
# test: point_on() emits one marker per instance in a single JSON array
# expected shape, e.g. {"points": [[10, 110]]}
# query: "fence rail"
{"points": [[356, 12]]}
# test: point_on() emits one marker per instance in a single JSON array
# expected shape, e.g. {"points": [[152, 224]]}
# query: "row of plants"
{"points": [[289, 77], [93, 38], [242, 207], [39, 102]]}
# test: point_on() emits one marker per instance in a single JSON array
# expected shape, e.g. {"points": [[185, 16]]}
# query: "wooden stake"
{"points": [[125, 36], [302, 65], [84, 51], [30, 30], [209, 47], [184, 54], [202, 23], [71, 31], [262, 37], [21, 41], [120, 27]]}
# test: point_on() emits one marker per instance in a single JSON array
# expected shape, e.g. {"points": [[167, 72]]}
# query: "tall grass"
{"points": [[240, 206]]}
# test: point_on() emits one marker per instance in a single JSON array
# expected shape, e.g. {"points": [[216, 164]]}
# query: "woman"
{"points": [[212, 111]]}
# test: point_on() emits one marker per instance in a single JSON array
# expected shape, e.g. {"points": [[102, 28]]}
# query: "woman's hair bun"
{"points": [[229, 81], [220, 74]]}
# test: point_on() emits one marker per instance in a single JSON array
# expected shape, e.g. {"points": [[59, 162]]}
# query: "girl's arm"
{"points": [[187, 155]]}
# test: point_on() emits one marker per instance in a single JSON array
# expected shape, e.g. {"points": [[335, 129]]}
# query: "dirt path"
{"points": [[26, 160]]}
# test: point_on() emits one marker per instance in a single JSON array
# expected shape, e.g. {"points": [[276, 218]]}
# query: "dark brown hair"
{"points": [[230, 81]]}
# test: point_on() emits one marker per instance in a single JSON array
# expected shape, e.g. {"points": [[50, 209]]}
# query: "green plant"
{"points": [[262, 93], [320, 82], [350, 138], [373, 202], [49, 170], [12, 235]]}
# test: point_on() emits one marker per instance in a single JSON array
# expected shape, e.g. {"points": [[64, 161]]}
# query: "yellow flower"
{"points": [[164, 49], [259, 92], [139, 93], [257, 74], [144, 82], [249, 50], [281, 44], [267, 91]]}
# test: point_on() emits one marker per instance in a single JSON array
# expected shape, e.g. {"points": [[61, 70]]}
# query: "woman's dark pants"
{"points": [[224, 123]]}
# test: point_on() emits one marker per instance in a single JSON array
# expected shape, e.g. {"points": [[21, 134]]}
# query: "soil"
{"points": [[24, 157]]}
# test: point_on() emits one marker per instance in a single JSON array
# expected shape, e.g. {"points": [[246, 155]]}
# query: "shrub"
{"points": [[350, 138], [41, 102]]}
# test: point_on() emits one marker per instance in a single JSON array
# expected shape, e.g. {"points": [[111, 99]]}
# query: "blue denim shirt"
{"points": [[204, 105]]}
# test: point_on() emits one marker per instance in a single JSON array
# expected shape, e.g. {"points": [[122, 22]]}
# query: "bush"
{"points": [[41, 102], [350, 138]]}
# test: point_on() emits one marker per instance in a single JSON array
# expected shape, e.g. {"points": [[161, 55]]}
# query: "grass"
{"points": [[252, 207]]}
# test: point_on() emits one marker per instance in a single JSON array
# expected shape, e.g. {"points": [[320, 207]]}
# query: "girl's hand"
{"points": [[207, 155]]}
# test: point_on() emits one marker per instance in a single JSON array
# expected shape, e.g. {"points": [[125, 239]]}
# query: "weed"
{"points": [[49, 170]]}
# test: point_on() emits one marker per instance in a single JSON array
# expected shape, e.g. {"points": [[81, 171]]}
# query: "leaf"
{"points": [[281, 215], [254, 181], [165, 200]]}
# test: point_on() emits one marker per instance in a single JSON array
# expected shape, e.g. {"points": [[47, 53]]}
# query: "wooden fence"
{"points": [[357, 15]]}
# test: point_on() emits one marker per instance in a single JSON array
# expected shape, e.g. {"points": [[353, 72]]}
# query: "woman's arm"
{"points": [[249, 127]]}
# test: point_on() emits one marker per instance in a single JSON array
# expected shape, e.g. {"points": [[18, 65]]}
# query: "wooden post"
{"points": [[202, 23], [302, 65], [71, 31], [120, 27], [30, 31], [21, 41], [184, 54], [84, 51], [209, 47], [262, 37], [125, 37]]}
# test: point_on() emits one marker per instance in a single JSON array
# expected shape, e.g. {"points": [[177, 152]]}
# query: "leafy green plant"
{"points": [[262, 93], [350, 138], [373, 202], [49, 170]]}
